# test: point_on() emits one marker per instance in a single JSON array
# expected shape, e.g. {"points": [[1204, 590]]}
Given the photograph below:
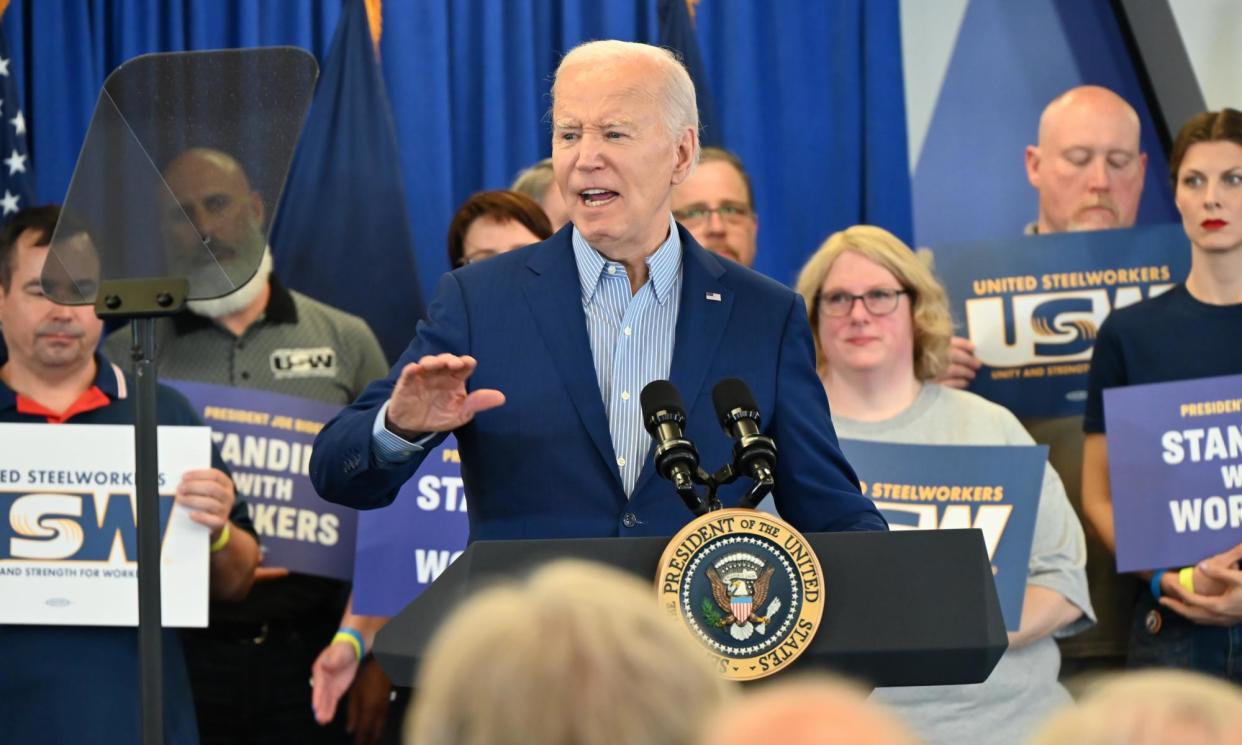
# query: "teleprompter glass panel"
{"points": [[180, 171]]}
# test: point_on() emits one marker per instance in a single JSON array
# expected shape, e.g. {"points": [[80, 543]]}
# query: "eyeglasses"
{"points": [[734, 214], [880, 301]]}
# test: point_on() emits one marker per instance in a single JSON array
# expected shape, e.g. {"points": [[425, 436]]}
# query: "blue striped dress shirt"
{"points": [[632, 338]]}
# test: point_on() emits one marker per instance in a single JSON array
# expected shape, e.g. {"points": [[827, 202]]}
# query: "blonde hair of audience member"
{"points": [[539, 183], [535, 180], [1151, 707], [577, 654], [816, 710], [932, 324]]}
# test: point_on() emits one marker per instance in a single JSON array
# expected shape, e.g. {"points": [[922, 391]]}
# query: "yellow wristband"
{"points": [[1186, 578], [352, 638], [219, 544]]}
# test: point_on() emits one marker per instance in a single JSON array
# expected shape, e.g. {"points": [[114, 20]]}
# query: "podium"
{"points": [[902, 608]]}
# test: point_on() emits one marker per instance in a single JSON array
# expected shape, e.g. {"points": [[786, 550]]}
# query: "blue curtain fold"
{"points": [[344, 202], [809, 94]]}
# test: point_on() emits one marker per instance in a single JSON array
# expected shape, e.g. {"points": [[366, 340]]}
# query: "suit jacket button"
{"points": [[629, 520]]}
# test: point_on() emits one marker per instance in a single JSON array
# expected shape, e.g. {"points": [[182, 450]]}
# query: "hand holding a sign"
{"points": [[963, 364], [430, 396], [208, 494]]}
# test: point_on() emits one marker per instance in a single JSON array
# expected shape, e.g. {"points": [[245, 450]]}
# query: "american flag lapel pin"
{"points": [[714, 297]]}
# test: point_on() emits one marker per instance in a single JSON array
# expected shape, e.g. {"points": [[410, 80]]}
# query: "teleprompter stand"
{"points": [[134, 247], [142, 301], [902, 608]]}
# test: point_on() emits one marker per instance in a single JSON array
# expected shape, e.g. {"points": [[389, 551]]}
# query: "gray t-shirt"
{"points": [[1023, 688]]}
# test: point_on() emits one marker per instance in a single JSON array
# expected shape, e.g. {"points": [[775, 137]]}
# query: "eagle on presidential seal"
{"points": [[740, 584]]}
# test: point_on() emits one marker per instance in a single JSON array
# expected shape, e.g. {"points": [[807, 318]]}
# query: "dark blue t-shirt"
{"points": [[1169, 337], [79, 684]]}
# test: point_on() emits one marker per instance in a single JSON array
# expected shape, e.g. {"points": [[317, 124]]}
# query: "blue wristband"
{"points": [[1155, 582]]}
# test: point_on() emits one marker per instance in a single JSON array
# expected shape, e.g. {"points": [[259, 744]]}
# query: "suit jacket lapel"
{"points": [[701, 320], [554, 294]]}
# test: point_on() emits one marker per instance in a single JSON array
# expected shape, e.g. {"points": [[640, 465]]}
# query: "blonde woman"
{"points": [[881, 326]]}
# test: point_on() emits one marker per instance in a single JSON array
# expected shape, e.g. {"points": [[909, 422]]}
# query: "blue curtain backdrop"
{"points": [[810, 94]]}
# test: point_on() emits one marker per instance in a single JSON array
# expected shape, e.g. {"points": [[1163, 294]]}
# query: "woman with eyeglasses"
{"points": [[882, 328], [1190, 617], [494, 222]]}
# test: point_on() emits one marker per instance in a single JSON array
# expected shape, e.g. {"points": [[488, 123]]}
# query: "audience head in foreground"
{"points": [[1153, 707], [806, 711], [576, 654]]}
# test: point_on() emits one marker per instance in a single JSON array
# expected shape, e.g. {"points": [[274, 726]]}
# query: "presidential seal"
{"points": [[746, 585]]}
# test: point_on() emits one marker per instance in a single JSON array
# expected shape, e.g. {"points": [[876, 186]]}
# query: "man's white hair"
{"points": [[676, 89]]}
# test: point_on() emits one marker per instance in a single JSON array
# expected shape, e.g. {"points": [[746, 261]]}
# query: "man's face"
{"points": [[713, 205], [1087, 168], [213, 193], [614, 159], [41, 336]]}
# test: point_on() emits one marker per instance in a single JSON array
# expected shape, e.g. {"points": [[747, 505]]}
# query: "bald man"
{"points": [[1089, 169], [246, 340], [1088, 166], [809, 711]]}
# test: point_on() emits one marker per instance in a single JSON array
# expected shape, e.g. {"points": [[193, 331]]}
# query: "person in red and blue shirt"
{"points": [[80, 683]]}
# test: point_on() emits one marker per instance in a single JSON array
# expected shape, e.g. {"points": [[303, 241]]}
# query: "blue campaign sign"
{"points": [[1033, 305], [994, 488], [266, 438], [1175, 470], [403, 548]]}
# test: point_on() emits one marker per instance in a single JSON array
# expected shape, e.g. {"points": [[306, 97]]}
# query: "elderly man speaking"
{"points": [[535, 359]]}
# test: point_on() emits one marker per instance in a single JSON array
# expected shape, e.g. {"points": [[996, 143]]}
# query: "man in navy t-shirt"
{"points": [[80, 683]]}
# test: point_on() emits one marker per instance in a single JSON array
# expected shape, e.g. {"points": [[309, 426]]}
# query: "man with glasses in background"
{"points": [[717, 206]]}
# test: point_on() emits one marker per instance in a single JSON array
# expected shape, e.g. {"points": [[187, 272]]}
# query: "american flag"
{"points": [[16, 176]]}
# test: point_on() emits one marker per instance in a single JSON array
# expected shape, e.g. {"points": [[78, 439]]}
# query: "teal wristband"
{"points": [[1155, 582], [353, 634]]}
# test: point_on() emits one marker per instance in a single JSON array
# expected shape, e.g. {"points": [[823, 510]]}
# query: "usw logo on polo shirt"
{"points": [[309, 362]]}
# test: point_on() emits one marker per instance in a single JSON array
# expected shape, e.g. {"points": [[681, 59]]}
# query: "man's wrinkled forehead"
{"points": [[611, 91]]}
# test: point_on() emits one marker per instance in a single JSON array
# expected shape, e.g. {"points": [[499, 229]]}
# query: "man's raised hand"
{"points": [[430, 396]]}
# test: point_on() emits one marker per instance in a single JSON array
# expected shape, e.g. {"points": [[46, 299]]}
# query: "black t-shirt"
{"points": [[1169, 337]]}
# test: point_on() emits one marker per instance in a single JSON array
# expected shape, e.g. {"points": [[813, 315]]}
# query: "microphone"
{"points": [[754, 453], [676, 459]]}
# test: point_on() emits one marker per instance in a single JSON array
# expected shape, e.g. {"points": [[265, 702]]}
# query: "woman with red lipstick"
{"points": [[1191, 331], [881, 327]]}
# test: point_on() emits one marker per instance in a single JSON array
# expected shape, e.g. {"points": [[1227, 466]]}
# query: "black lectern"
{"points": [[902, 608]]}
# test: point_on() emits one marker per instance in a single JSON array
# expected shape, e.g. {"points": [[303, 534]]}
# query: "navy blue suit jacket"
{"points": [[542, 465]]}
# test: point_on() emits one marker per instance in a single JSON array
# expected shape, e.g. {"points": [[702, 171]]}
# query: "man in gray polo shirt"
{"points": [[266, 337]]}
